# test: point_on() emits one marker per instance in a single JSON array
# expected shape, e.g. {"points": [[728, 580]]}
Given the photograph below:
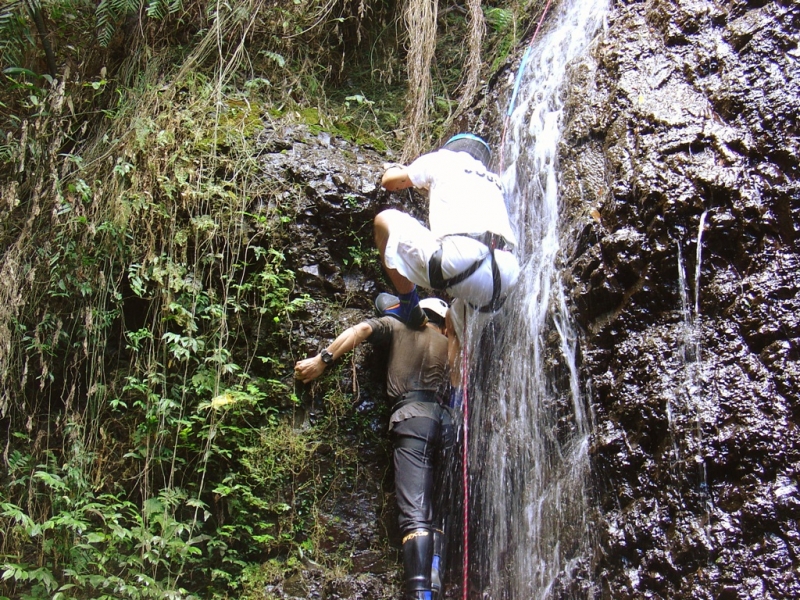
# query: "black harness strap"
{"points": [[438, 282], [414, 396], [496, 302]]}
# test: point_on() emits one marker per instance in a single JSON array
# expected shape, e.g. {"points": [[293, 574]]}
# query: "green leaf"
{"points": [[152, 506], [19, 71], [15, 513], [15, 571], [276, 57]]}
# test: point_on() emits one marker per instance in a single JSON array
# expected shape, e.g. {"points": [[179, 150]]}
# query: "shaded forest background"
{"points": [[155, 444]]}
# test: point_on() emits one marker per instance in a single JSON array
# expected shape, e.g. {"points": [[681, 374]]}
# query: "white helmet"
{"points": [[435, 307]]}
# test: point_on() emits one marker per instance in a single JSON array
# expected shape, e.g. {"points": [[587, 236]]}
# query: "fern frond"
{"points": [[105, 23], [276, 57], [10, 8], [156, 9], [498, 18], [14, 33], [123, 7], [8, 14], [8, 151]]}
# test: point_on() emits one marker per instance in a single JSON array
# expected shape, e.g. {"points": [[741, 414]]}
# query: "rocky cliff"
{"points": [[680, 163]]}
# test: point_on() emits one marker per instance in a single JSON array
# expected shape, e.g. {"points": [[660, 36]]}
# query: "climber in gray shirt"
{"points": [[415, 382]]}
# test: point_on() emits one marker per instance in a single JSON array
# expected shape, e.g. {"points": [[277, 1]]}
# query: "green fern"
{"points": [[110, 12], [159, 9], [124, 7], [105, 23], [7, 14], [7, 152], [276, 57], [14, 32], [498, 18], [156, 9]]}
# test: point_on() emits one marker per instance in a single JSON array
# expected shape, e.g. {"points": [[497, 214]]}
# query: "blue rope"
{"points": [[518, 81]]}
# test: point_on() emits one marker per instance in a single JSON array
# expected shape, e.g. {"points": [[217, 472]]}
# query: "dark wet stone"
{"points": [[693, 108]]}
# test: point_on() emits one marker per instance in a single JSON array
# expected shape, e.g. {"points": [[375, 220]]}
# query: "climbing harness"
{"points": [[492, 242], [412, 443], [414, 396], [523, 63]]}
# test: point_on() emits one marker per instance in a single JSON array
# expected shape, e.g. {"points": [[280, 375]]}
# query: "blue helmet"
{"points": [[473, 145]]}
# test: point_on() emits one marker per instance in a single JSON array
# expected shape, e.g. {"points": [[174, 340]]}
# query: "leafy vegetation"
{"points": [[152, 444]]}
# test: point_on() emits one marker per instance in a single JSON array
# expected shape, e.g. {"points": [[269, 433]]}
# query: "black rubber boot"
{"points": [[417, 556], [437, 564]]}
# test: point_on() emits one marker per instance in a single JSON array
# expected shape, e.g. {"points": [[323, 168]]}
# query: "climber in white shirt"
{"points": [[467, 250]]}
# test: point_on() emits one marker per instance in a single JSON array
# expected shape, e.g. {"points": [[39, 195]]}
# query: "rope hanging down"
{"points": [[464, 464], [512, 102], [464, 358]]}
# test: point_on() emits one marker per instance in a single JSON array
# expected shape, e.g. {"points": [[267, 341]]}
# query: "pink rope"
{"points": [[541, 20], [464, 363], [464, 463]]}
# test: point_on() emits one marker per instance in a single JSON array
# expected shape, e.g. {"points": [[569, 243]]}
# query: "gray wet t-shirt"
{"points": [[417, 361]]}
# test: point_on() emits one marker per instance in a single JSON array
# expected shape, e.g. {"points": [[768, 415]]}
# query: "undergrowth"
{"points": [[152, 449], [147, 405]]}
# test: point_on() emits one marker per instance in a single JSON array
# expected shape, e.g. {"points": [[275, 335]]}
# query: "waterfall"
{"points": [[531, 534]]}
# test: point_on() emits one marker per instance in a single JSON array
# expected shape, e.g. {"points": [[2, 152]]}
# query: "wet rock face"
{"points": [[695, 369], [326, 194]]}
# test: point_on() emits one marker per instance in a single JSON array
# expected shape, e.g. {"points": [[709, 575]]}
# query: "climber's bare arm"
{"points": [[395, 178]]}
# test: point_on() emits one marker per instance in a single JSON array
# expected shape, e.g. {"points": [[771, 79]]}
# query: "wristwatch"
{"points": [[326, 356]]}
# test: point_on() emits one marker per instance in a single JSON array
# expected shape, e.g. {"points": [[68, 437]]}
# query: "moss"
{"points": [[503, 49], [237, 119], [311, 117]]}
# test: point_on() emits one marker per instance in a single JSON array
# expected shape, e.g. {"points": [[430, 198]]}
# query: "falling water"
{"points": [[688, 402], [698, 382], [693, 363], [691, 336], [699, 264], [529, 456], [691, 311], [675, 395]]}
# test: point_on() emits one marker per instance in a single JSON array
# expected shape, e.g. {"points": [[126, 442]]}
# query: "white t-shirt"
{"points": [[464, 197]]}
